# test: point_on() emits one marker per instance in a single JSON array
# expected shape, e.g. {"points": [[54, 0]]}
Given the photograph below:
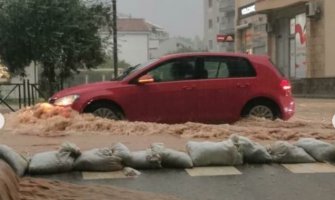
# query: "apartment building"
{"points": [[219, 26]]}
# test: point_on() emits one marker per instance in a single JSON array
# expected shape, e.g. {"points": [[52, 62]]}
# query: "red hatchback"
{"points": [[197, 87]]}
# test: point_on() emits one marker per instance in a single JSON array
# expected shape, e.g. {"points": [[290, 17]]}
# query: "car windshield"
{"points": [[133, 69]]}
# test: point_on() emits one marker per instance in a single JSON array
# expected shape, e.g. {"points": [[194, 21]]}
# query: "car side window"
{"points": [[216, 68], [176, 70], [228, 67]]}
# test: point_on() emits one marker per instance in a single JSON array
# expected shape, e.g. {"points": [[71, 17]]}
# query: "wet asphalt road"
{"points": [[257, 182]]}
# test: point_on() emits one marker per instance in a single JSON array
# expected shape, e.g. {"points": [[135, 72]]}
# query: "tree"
{"points": [[60, 35]]}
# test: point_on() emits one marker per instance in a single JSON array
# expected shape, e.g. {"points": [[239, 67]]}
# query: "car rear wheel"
{"points": [[261, 108], [105, 110], [262, 111]]}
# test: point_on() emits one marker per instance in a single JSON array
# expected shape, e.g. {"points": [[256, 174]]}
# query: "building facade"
{"points": [[219, 25], [292, 32], [133, 40], [251, 28], [156, 37]]}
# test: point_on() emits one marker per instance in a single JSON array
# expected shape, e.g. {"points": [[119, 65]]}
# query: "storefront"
{"points": [[251, 35], [296, 31], [287, 28]]}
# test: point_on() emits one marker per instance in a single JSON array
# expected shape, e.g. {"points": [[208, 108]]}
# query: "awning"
{"points": [[263, 6]]}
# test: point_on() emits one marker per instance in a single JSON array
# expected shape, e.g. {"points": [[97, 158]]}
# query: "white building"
{"points": [[157, 36], [133, 40]]}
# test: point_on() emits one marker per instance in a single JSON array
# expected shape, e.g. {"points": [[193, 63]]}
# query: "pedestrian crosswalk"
{"points": [[311, 168], [213, 171]]}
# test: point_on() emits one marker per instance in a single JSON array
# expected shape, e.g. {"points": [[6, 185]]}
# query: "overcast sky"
{"points": [[178, 17]]}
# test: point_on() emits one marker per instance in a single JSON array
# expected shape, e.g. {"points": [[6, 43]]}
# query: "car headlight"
{"points": [[66, 101]]}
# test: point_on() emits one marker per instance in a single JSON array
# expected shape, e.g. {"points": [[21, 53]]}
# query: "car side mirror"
{"points": [[146, 79]]}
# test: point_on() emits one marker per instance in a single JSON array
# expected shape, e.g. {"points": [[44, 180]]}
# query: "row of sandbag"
{"points": [[238, 150], [234, 151], [70, 158]]}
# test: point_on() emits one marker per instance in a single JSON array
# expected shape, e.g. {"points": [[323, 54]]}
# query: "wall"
{"points": [[329, 10], [314, 87], [316, 45], [133, 47]]}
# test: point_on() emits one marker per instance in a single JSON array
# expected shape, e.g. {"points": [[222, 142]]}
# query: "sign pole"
{"points": [[115, 53]]}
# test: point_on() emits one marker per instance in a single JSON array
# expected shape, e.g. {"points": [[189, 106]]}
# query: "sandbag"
{"points": [[18, 163], [319, 150], [103, 160], [284, 152], [144, 160], [252, 151], [54, 161], [172, 158], [214, 153], [130, 172], [121, 151]]}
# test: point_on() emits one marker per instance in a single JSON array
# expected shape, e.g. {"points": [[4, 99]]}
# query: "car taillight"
{"points": [[285, 85]]}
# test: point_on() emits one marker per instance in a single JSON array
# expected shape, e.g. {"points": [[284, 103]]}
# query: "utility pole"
{"points": [[115, 53]]}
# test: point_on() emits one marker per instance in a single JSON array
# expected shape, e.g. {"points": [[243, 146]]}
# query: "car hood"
{"points": [[92, 87]]}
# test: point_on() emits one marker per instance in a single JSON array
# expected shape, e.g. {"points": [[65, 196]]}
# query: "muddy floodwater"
{"points": [[48, 121]]}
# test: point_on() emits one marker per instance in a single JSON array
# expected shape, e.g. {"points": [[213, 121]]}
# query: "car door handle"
{"points": [[243, 85], [188, 88]]}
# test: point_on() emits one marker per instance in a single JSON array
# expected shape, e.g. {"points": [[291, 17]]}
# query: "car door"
{"points": [[226, 88], [170, 98]]}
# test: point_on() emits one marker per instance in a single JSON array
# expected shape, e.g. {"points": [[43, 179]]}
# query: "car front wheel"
{"points": [[107, 111]]}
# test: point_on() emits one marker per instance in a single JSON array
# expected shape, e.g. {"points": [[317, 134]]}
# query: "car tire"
{"points": [[105, 110], [262, 110]]}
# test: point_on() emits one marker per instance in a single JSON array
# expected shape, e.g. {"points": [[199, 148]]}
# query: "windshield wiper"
{"points": [[127, 72]]}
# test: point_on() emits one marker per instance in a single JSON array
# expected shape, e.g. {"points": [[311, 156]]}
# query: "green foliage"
{"points": [[60, 35]]}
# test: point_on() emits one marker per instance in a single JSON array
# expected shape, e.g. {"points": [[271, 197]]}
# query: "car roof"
{"points": [[242, 55]]}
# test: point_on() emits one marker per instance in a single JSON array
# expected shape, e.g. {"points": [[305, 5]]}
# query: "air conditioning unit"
{"points": [[312, 10]]}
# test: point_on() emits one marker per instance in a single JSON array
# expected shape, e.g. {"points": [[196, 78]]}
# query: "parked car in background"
{"points": [[197, 87]]}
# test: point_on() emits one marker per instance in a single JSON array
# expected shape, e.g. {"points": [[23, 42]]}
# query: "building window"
{"points": [[210, 44], [210, 3], [210, 24]]}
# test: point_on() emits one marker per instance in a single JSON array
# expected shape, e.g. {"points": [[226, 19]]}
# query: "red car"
{"points": [[197, 87]]}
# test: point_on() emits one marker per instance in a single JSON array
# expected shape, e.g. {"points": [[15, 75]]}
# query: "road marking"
{"points": [[103, 175], [333, 121], [2, 121], [310, 168], [213, 171]]}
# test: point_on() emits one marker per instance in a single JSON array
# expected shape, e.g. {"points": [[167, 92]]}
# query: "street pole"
{"points": [[115, 53]]}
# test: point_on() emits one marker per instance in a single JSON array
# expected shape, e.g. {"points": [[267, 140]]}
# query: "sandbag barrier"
{"points": [[237, 150]]}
